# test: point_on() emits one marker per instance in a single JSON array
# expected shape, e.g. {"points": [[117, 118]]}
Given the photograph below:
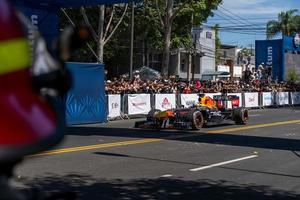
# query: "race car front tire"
{"points": [[151, 118], [240, 116], [196, 117], [151, 114]]}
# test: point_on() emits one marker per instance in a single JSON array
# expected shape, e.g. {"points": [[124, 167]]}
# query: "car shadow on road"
{"points": [[89, 188], [192, 136]]}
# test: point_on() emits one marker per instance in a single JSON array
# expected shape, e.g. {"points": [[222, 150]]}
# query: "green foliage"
{"points": [[292, 75], [148, 28], [288, 24]]}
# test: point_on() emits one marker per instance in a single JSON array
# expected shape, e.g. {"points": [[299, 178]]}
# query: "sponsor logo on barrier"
{"points": [[114, 108], [267, 98], [283, 98], [190, 103], [166, 103], [139, 104], [114, 105], [251, 99]]}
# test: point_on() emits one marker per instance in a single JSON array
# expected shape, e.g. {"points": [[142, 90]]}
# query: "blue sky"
{"points": [[253, 14]]}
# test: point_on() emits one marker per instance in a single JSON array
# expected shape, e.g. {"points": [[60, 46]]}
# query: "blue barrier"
{"points": [[86, 102]]}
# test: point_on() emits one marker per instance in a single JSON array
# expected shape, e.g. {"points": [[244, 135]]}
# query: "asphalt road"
{"points": [[115, 161]]}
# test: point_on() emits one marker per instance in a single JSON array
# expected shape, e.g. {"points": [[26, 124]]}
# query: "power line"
{"points": [[237, 20], [234, 18], [234, 14], [249, 19]]}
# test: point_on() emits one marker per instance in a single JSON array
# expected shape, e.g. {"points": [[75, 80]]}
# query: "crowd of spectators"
{"points": [[255, 80]]}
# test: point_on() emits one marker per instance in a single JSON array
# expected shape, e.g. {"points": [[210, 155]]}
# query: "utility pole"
{"points": [[190, 52], [131, 41]]}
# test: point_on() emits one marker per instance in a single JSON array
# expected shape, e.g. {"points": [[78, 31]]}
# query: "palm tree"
{"points": [[286, 24]]}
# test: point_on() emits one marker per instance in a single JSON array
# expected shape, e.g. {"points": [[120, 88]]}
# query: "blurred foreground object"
{"points": [[30, 80]]}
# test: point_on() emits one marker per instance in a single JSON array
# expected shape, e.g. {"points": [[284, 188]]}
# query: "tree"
{"points": [[286, 24], [169, 10], [104, 31], [292, 75], [148, 29]]}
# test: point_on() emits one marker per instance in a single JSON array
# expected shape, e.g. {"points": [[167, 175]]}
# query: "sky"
{"points": [[251, 16]]}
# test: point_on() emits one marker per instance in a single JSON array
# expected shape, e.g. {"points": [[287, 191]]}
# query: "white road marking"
{"points": [[254, 115], [222, 163], [166, 176]]}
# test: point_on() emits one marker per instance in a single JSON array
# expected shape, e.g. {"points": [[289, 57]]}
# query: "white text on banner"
{"points": [[188, 100], [165, 101], [138, 104], [114, 106], [267, 99], [251, 99]]}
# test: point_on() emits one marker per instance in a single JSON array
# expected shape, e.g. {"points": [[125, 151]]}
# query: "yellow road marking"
{"points": [[254, 126], [97, 146], [151, 140]]}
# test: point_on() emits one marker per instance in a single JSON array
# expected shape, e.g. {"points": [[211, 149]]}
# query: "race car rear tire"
{"points": [[196, 117], [240, 116], [151, 114]]}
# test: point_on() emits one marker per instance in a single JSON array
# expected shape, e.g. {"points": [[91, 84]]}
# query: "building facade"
{"points": [[283, 55], [201, 57]]}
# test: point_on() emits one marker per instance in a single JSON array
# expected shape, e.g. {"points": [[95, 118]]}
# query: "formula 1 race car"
{"points": [[207, 112]]}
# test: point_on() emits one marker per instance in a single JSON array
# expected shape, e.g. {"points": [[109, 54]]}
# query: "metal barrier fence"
{"points": [[140, 104]]}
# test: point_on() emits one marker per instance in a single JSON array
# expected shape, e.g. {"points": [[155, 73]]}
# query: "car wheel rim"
{"points": [[198, 120]]}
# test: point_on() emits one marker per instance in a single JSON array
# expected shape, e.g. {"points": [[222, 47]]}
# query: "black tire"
{"points": [[240, 116], [196, 117], [151, 118], [151, 114]]}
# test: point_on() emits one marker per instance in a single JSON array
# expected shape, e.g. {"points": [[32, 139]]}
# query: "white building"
{"points": [[205, 68]]}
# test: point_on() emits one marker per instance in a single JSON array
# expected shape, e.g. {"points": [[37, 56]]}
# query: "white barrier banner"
{"points": [[267, 99], [283, 98], [211, 95], [188, 100], [251, 99], [165, 101], [239, 95], [114, 106], [138, 104], [295, 98]]}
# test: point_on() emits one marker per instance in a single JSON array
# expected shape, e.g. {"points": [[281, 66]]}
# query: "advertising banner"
{"points": [[211, 95], [114, 106], [283, 98], [270, 53], [239, 95], [165, 101], [138, 104], [188, 100], [251, 99], [295, 98], [267, 99]]}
